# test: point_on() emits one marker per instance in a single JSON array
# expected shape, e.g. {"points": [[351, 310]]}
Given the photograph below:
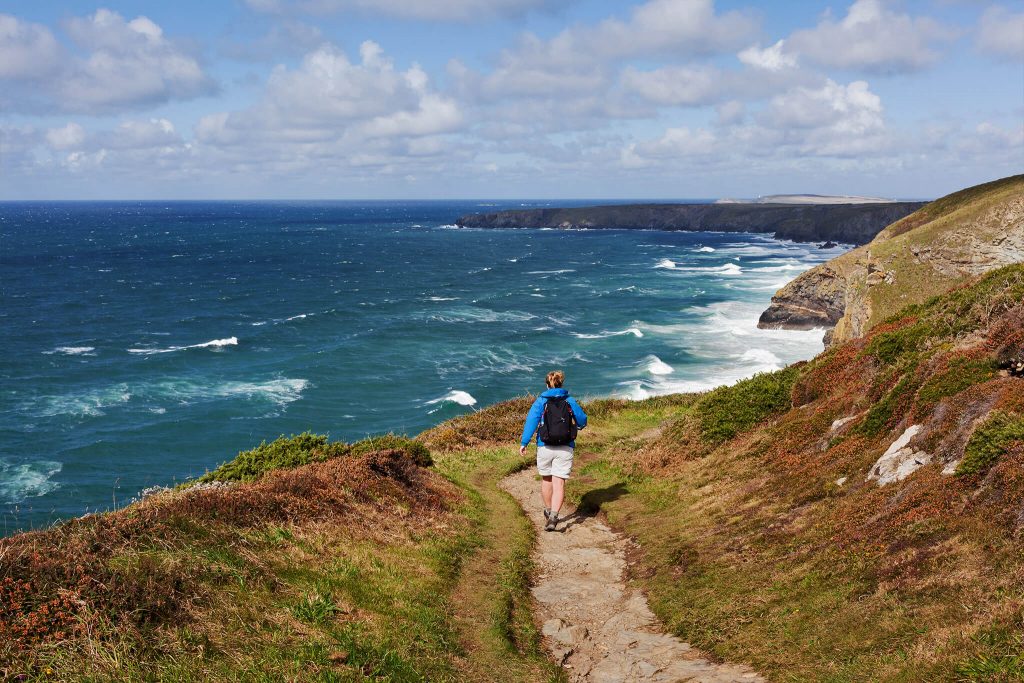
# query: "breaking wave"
{"points": [[212, 344]]}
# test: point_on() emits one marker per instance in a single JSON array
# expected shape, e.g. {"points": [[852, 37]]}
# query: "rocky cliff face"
{"points": [[929, 252], [849, 223]]}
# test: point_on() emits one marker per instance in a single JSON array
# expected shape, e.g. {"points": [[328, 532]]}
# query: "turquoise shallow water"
{"points": [[147, 342]]}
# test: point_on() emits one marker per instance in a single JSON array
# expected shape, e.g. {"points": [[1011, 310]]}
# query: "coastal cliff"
{"points": [[848, 223], [946, 242]]}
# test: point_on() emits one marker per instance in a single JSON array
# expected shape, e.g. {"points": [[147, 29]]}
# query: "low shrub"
{"points": [[282, 452], [892, 405], [286, 452], [727, 411], [989, 441], [961, 372]]}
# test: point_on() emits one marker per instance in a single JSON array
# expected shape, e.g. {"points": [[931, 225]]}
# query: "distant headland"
{"points": [[810, 222]]}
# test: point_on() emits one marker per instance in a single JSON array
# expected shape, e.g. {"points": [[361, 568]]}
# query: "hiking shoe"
{"points": [[547, 513], [552, 522]]}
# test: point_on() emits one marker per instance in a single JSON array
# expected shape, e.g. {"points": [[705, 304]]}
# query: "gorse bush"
{"points": [[960, 374], [727, 411], [989, 441], [305, 448]]}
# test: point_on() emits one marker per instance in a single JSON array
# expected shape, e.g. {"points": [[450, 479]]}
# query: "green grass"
{"points": [[989, 441], [961, 374]]}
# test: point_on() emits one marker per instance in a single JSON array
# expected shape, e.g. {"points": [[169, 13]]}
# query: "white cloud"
{"points": [[70, 136], [130, 64], [1001, 33], [873, 38], [27, 50], [676, 85], [125, 65], [437, 10], [328, 108], [674, 144], [577, 59], [771, 58]]}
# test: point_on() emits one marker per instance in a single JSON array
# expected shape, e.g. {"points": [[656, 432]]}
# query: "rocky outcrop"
{"points": [[947, 242], [818, 299], [847, 223]]}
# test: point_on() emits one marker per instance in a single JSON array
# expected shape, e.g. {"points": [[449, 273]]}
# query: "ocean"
{"points": [[147, 342]]}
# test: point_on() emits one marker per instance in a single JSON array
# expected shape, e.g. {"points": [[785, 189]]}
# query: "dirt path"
{"points": [[596, 626]]}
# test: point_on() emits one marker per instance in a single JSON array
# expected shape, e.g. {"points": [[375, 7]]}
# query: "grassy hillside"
{"points": [[941, 245], [301, 560], [763, 539]]}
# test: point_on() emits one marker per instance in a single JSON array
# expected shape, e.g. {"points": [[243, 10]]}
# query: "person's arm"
{"points": [[578, 414], [532, 422]]}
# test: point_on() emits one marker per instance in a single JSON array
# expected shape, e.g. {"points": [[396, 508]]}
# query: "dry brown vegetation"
{"points": [[163, 562], [773, 547]]}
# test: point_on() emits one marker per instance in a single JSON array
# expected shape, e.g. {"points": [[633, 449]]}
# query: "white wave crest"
{"points": [[657, 366], [763, 359], [213, 343], [551, 272], [666, 263], [705, 250], [19, 481], [462, 398], [604, 335], [72, 351]]}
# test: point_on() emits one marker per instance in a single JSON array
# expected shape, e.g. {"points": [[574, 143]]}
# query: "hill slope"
{"points": [[944, 243]]}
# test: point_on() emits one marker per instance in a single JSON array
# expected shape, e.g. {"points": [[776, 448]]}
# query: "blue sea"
{"points": [[147, 342]]}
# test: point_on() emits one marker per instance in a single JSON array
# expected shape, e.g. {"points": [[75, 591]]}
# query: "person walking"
{"points": [[556, 418]]}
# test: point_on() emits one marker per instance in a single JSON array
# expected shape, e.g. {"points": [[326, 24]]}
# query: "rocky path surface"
{"points": [[594, 625]]}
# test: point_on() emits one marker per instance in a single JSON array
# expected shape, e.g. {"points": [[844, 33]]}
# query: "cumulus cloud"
{"points": [[122, 65], [674, 145], [873, 38], [328, 96], [27, 50], [67, 137], [331, 110], [771, 58], [437, 10], [1001, 33]]}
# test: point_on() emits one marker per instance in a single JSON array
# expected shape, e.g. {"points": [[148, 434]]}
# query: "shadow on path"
{"points": [[591, 502]]}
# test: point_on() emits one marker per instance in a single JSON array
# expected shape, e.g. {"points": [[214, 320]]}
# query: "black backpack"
{"points": [[558, 426]]}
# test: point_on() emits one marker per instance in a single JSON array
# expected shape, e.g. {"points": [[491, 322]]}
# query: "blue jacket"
{"points": [[536, 413]]}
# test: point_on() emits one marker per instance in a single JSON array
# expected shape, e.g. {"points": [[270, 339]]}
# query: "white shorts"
{"points": [[554, 461]]}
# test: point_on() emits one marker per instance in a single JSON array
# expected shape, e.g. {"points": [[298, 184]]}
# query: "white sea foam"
{"points": [[550, 272], [657, 366], [21, 480], [705, 250], [278, 391], [667, 264], [636, 332], [72, 351], [212, 344], [442, 298], [474, 314], [151, 396], [91, 403]]}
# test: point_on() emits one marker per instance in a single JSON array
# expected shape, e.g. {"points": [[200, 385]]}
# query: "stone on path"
{"points": [[594, 625]]}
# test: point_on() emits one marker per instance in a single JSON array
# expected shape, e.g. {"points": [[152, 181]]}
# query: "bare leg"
{"points": [[545, 490], [557, 493]]}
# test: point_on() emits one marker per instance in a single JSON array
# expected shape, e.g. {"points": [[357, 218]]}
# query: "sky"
{"points": [[443, 99]]}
